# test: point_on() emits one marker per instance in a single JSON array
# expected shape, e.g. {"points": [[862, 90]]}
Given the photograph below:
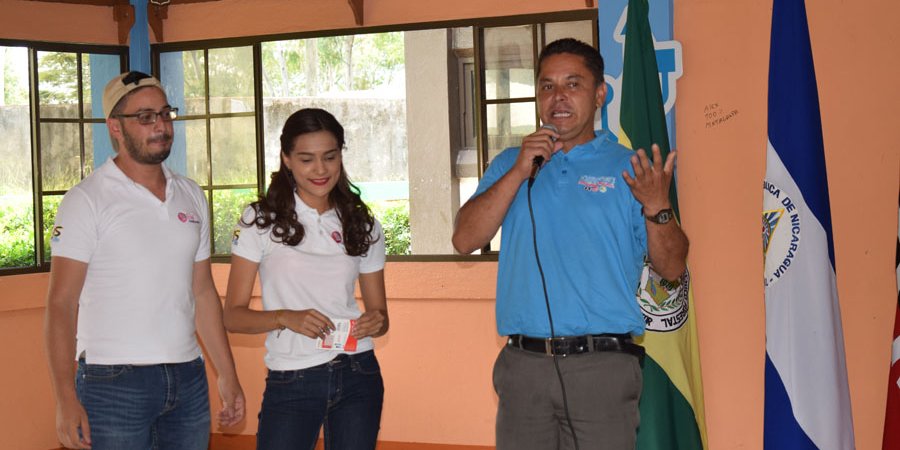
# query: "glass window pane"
{"points": [[233, 150], [197, 156], [582, 30], [509, 62], [507, 124], [60, 156], [231, 80], [16, 193], [58, 84], [371, 106], [394, 218], [48, 215], [183, 76], [227, 207], [509, 83], [89, 148], [17, 223]]}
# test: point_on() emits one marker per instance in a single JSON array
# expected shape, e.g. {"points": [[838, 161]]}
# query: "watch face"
{"points": [[662, 217]]}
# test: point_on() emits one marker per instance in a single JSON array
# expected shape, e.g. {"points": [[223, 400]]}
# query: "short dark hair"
{"points": [[591, 56]]}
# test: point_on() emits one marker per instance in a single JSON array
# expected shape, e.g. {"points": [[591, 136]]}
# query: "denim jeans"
{"points": [[345, 395], [162, 406]]}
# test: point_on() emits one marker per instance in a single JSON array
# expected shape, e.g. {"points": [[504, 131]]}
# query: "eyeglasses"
{"points": [[150, 117]]}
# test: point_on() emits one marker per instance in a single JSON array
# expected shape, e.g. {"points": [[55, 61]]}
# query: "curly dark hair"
{"points": [[276, 208], [592, 59]]}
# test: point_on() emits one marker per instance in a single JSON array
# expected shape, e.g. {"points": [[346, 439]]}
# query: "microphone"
{"points": [[539, 160]]}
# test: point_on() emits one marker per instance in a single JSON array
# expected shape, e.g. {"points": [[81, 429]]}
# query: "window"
{"points": [[17, 240], [48, 152], [361, 80], [215, 134], [508, 107], [421, 125]]}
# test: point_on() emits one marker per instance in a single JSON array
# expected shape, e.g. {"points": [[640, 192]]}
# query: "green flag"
{"points": [[671, 407]]}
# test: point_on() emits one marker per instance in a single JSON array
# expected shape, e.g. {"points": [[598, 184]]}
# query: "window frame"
{"points": [[537, 21], [538, 42], [478, 25], [42, 260], [208, 186]]}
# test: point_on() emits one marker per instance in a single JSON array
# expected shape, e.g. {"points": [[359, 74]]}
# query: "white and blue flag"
{"points": [[807, 400]]}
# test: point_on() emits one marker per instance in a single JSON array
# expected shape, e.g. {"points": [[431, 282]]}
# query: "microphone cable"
{"points": [[537, 258]]}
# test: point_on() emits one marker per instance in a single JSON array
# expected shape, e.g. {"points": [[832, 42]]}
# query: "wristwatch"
{"points": [[662, 217]]}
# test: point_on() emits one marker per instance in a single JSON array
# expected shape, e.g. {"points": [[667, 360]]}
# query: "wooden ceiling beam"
{"points": [[157, 11], [87, 2], [155, 16], [358, 11], [124, 17]]}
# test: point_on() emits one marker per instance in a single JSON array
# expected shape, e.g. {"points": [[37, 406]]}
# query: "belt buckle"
{"points": [[548, 346]]}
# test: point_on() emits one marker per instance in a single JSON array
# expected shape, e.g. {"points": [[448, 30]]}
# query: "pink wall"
{"points": [[721, 169], [438, 355]]}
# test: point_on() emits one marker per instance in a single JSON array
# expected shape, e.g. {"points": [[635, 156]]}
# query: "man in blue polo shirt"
{"points": [[575, 235]]}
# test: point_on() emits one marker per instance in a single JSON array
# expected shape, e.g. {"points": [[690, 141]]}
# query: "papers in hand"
{"points": [[340, 339]]}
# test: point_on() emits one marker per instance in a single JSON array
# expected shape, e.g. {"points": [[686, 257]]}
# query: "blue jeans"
{"points": [[162, 406], [345, 394]]}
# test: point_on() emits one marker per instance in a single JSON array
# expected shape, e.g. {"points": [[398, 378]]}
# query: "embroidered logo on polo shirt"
{"points": [[235, 235], [336, 235], [597, 184], [185, 217], [57, 230]]}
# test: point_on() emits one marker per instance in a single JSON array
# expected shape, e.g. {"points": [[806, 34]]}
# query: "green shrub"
{"points": [[394, 218], [227, 208], [17, 226]]}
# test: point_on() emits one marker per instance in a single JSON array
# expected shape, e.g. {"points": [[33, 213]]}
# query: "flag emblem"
{"points": [[663, 303], [770, 223], [781, 232]]}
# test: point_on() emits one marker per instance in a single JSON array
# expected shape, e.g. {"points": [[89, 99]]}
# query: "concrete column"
{"points": [[433, 189]]}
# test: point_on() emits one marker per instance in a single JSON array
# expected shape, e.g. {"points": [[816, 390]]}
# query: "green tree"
{"points": [[57, 78]]}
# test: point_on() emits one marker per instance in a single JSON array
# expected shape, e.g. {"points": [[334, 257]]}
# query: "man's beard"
{"points": [[145, 157]]}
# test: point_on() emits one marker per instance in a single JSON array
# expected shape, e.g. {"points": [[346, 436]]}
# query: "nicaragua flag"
{"points": [[892, 412], [807, 401]]}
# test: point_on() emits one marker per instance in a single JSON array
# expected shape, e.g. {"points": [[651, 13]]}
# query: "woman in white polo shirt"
{"points": [[310, 238]]}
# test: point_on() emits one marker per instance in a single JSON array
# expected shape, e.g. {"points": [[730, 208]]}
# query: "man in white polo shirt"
{"points": [[130, 283]]}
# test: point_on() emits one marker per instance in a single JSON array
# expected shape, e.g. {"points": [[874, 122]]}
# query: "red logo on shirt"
{"points": [[336, 236], [187, 217]]}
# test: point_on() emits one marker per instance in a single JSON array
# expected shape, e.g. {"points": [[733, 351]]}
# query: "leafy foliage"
{"points": [[308, 67], [17, 226], [227, 208], [57, 78], [394, 218]]}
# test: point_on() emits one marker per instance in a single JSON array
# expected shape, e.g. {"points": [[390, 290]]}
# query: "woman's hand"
{"points": [[371, 323], [308, 322]]}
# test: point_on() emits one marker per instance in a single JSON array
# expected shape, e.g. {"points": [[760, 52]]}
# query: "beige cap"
{"points": [[121, 85]]}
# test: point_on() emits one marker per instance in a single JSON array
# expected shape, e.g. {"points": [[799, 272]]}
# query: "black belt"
{"points": [[573, 345]]}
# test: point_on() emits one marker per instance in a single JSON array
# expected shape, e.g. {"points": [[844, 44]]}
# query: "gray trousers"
{"points": [[602, 389]]}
